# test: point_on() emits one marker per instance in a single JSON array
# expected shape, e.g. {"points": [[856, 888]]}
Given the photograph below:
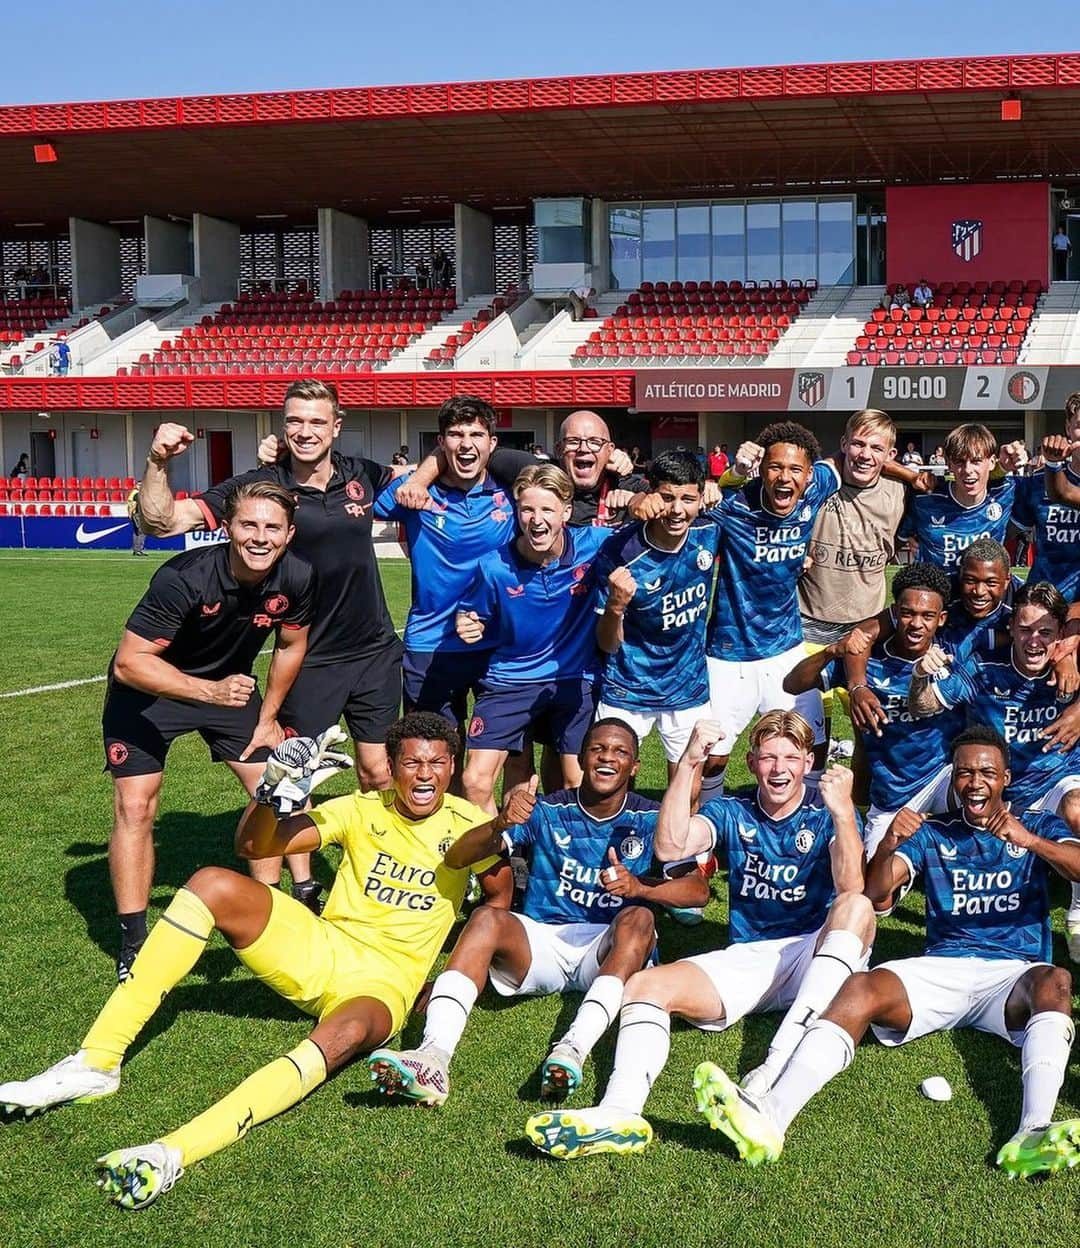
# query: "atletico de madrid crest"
{"points": [[811, 388], [967, 238]]}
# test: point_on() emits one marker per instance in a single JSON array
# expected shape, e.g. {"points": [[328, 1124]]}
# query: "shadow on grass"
{"points": [[184, 841], [993, 1071]]}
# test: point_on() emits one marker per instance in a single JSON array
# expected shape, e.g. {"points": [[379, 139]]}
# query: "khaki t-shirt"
{"points": [[853, 540]]}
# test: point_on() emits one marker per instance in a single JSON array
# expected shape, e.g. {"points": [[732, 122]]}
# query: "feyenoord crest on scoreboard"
{"points": [[991, 389]]}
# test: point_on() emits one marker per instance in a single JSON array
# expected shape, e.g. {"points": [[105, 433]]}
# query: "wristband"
{"points": [[1054, 465], [855, 688]]}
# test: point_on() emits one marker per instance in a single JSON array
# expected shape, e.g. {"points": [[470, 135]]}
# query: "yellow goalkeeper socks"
{"points": [[267, 1092], [171, 950]]}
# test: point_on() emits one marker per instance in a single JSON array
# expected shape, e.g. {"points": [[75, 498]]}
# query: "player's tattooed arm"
{"points": [[160, 513], [679, 834], [1057, 450], [609, 626], [486, 840], [887, 873], [847, 854], [1063, 856], [923, 698]]}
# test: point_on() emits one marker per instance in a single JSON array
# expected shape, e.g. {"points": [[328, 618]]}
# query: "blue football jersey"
{"points": [[661, 662], [445, 545], [964, 636], [984, 898], [780, 880], [569, 849], [944, 528], [910, 751], [759, 561], [539, 618], [1056, 532], [1018, 707]]}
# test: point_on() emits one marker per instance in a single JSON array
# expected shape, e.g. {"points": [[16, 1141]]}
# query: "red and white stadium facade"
{"points": [[238, 240]]}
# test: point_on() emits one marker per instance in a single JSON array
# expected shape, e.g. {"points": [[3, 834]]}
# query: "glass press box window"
{"points": [[563, 231], [733, 240]]}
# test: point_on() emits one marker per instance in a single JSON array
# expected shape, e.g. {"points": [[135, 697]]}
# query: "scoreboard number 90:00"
{"points": [[922, 386]]}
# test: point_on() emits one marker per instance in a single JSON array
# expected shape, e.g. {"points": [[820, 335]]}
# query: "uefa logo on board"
{"points": [[811, 388], [967, 238], [1023, 388]]}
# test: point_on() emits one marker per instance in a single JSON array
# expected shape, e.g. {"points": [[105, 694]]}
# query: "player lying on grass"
{"points": [[907, 757], [534, 599], [585, 924], [986, 966], [1013, 689], [356, 969], [184, 665], [800, 925]]}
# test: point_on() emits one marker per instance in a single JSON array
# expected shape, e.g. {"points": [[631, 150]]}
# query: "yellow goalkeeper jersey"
{"points": [[393, 892]]}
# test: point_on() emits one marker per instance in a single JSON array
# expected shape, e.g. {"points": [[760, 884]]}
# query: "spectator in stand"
{"points": [[423, 274], [637, 460], [39, 279], [441, 270], [911, 457], [937, 459], [718, 462], [60, 357], [579, 301], [22, 468], [20, 278], [539, 451], [900, 299], [923, 294], [1062, 249]]}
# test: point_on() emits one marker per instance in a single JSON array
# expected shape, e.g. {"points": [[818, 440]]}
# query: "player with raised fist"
{"points": [[585, 924]]}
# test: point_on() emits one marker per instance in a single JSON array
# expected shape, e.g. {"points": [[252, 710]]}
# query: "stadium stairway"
{"points": [[1054, 337], [551, 344], [823, 334], [145, 339], [411, 359], [31, 354]]}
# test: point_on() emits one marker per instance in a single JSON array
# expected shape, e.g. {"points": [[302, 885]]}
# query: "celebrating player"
{"points": [[907, 757], [356, 969], [655, 581], [533, 598], [1048, 502], [184, 665], [954, 513], [800, 925], [754, 635], [1013, 690], [353, 663], [469, 516], [584, 926], [986, 966]]}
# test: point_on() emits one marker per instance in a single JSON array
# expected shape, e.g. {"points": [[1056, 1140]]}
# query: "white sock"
{"points": [[452, 997], [596, 1013], [839, 955], [1073, 915], [712, 785], [825, 1051], [1044, 1056], [640, 1054]]}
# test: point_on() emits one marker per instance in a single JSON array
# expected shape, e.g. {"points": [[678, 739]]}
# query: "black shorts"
{"points": [[367, 691], [441, 681], [139, 728]]}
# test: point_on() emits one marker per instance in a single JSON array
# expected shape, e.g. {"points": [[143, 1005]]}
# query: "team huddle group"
{"points": [[579, 606]]}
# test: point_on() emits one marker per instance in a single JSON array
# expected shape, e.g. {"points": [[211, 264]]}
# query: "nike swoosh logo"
{"points": [[84, 538]]}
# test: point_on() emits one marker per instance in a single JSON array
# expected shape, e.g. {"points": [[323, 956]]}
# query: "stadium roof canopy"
{"points": [[413, 151]]}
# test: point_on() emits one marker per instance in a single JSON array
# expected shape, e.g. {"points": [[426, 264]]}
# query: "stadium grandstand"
{"points": [[681, 251]]}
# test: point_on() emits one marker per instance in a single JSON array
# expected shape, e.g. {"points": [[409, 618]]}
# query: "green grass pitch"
{"points": [[869, 1163]]}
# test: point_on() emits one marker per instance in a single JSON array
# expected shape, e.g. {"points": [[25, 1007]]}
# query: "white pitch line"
{"points": [[92, 680], [63, 684]]}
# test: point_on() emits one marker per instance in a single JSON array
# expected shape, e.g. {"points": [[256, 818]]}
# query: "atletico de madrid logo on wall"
{"points": [[967, 238], [811, 388], [1023, 387]]}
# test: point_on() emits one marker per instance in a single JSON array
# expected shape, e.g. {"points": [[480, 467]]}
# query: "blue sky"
{"points": [[104, 49]]}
